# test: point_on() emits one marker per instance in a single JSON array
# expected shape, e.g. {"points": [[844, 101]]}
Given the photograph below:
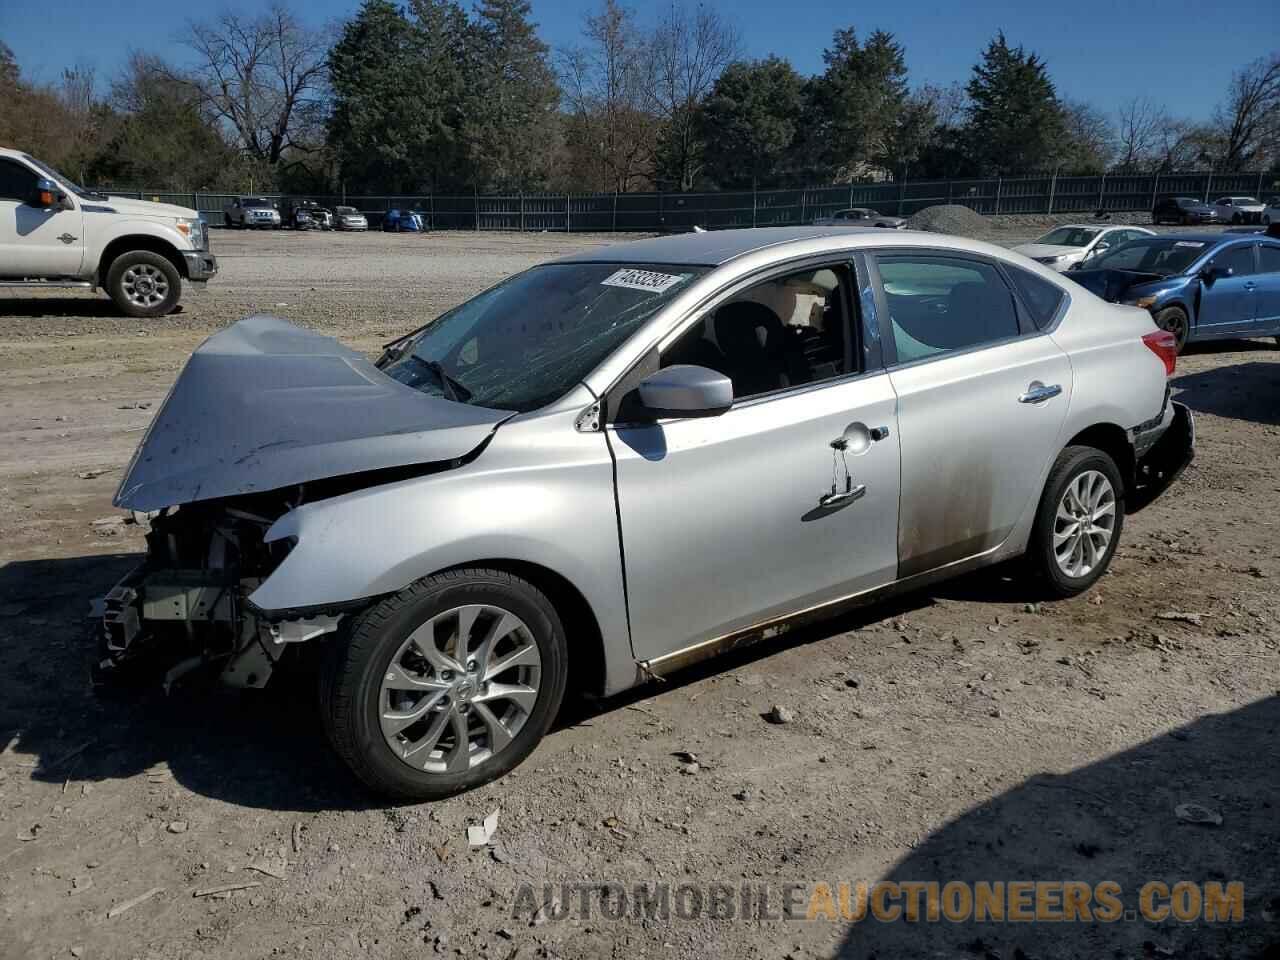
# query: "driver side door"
{"points": [[35, 242], [786, 502]]}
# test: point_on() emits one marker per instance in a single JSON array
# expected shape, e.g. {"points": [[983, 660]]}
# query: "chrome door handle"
{"points": [[836, 499], [1038, 392]]}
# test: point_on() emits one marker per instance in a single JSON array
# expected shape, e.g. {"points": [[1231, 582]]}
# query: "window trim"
{"points": [[839, 260], [1026, 328]]}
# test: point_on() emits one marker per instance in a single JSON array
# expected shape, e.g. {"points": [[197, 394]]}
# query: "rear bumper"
{"points": [[1163, 462], [201, 265]]}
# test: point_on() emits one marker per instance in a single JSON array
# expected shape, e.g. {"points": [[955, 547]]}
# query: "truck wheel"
{"points": [[1174, 319], [1078, 522], [445, 686], [144, 284]]}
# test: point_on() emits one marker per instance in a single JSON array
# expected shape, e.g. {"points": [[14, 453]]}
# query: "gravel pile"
{"points": [[949, 218]]}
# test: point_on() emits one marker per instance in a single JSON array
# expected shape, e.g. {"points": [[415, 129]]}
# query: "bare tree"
{"points": [[1249, 121], [1140, 124], [611, 133], [689, 51], [262, 76]]}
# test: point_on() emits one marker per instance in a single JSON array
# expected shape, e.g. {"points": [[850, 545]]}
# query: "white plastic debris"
{"points": [[479, 835]]}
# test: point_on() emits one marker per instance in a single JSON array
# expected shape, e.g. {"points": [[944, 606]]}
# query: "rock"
{"points": [[178, 826], [780, 714], [689, 768], [743, 795], [853, 680], [77, 952], [1191, 812], [988, 676], [995, 712]]}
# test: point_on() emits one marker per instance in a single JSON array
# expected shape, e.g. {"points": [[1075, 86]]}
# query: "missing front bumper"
{"points": [[1164, 462]]}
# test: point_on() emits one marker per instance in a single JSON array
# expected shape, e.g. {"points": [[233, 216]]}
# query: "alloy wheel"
{"points": [[1085, 523], [459, 688], [144, 285]]}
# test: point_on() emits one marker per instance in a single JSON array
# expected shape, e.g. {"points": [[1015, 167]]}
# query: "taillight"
{"points": [[1165, 346]]}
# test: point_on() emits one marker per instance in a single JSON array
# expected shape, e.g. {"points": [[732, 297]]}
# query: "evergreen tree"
{"points": [[749, 123], [1015, 119]]}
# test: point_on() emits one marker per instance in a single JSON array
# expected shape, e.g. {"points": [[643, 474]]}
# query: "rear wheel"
{"points": [[445, 686], [1078, 522], [1174, 319], [144, 284]]}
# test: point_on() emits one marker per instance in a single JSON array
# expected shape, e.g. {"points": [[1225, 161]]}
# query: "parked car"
{"points": [[1183, 210], [1271, 212], [304, 215], [1069, 246], [349, 218], [323, 216], [1196, 286], [255, 212], [768, 424], [402, 221], [1240, 209], [55, 233], [860, 217]]}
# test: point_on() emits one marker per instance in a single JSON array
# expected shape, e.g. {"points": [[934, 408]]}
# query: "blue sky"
{"points": [[1178, 52]]}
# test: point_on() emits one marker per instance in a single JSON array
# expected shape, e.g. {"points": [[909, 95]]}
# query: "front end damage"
{"points": [[186, 608]]}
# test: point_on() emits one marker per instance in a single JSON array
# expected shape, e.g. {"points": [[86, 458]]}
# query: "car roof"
{"points": [[713, 247]]}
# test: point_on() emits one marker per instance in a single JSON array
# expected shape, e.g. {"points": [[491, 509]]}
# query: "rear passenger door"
{"points": [[982, 396], [1268, 288]]}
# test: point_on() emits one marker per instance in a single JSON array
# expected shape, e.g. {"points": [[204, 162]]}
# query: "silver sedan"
{"points": [[613, 465]]}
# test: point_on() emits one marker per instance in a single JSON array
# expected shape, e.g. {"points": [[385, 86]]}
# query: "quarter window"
{"points": [[1042, 297], [942, 304], [16, 181], [782, 333]]}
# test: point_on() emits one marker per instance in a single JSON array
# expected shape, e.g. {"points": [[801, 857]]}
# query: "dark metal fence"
{"points": [[577, 212]]}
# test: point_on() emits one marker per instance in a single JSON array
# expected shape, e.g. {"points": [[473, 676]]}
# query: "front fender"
{"points": [[541, 493]]}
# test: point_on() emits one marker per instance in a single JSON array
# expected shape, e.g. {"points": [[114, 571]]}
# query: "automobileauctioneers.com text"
{"points": [[887, 901]]}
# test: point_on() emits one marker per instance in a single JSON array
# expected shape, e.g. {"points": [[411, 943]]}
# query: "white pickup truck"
{"points": [[56, 234]]}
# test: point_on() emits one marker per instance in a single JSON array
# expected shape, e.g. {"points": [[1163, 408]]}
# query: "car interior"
{"points": [[777, 334]]}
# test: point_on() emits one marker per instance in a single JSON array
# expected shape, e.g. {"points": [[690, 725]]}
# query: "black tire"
{"points": [[1174, 319], [1071, 463], [350, 679], [134, 278]]}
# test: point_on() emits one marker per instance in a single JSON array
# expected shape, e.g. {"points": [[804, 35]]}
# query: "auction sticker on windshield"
{"points": [[1189, 243], [634, 279]]}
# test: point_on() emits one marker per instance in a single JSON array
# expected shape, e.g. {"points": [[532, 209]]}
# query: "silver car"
{"points": [[860, 217], [613, 465]]}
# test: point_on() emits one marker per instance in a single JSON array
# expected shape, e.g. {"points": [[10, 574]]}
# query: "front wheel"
{"points": [[1174, 319], [144, 284], [445, 686], [1078, 522]]}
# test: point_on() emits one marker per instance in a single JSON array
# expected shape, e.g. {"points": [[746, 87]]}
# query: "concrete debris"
{"points": [[130, 904], [780, 714], [1191, 812]]}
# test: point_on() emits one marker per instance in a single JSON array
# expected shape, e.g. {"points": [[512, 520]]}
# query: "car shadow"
{"points": [[1113, 820], [87, 306], [1245, 391]]}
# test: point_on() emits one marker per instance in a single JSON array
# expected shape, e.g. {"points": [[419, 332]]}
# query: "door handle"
{"points": [[1038, 392], [848, 496], [1249, 285]]}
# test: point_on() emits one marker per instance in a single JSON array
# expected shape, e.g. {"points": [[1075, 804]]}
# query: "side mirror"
{"points": [[685, 390], [47, 195], [1101, 248], [1211, 274]]}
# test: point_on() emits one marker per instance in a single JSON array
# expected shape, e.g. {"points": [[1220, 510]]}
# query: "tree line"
{"points": [[429, 97]]}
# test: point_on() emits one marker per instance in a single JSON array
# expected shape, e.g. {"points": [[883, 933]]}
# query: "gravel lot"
{"points": [[964, 733]]}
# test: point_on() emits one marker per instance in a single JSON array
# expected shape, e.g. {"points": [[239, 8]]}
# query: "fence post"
{"points": [[754, 203], [999, 181], [1207, 184], [475, 205], [568, 224], [1259, 192], [950, 185], [1053, 188], [902, 194], [1102, 187], [431, 208], [615, 211], [804, 195], [1155, 189]]}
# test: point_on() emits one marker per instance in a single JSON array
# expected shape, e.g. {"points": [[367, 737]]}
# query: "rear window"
{"points": [[1041, 297]]}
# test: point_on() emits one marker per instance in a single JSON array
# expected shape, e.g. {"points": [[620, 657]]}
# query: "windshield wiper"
{"points": [[453, 390]]}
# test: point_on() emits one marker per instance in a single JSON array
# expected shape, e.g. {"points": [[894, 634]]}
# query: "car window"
{"points": [[938, 304], [1237, 259], [1042, 297], [782, 333], [17, 182], [1269, 257]]}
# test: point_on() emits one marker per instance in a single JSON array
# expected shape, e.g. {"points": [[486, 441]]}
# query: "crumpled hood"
{"points": [[144, 208], [1114, 285], [265, 404]]}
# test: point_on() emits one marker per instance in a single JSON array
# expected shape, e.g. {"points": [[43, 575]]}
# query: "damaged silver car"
{"points": [[612, 465]]}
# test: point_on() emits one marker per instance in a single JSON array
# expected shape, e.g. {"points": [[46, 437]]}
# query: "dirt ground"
{"points": [[964, 733]]}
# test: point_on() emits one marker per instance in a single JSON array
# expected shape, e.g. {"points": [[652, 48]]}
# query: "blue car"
{"points": [[402, 221], [1197, 286]]}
